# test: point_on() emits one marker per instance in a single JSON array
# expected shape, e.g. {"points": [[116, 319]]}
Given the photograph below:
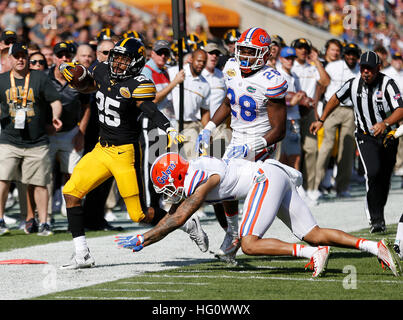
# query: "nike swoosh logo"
{"points": [[119, 98], [121, 152]]}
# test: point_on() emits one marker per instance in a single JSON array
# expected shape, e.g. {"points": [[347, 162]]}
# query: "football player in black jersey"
{"points": [[122, 94]]}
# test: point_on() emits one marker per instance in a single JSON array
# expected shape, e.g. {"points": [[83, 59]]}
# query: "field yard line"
{"points": [[265, 278], [176, 250], [166, 283], [138, 290]]}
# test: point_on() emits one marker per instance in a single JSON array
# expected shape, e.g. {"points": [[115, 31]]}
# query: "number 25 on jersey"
{"points": [[106, 113]]}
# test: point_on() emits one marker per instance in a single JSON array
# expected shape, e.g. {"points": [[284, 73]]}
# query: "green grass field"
{"points": [[350, 275]]}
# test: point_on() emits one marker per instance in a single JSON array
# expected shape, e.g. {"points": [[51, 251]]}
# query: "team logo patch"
{"points": [[125, 92], [251, 89], [231, 73], [142, 51], [397, 97], [165, 174], [263, 39]]}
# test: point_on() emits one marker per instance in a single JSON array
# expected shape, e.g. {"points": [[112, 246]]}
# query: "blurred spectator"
{"points": [[308, 77], [395, 71], [292, 8], [37, 61], [11, 20], [25, 144], [197, 21], [156, 70], [8, 37], [383, 55], [336, 20], [47, 51], [196, 100], [277, 44], [341, 121], [103, 49], [218, 91], [229, 39], [68, 144], [291, 145], [85, 55]]}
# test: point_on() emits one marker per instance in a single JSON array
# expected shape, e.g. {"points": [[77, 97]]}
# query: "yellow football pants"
{"points": [[123, 163]]}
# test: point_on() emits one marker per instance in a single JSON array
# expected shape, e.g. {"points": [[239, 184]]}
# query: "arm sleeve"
{"points": [[152, 112], [344, 93], [393, 95]]}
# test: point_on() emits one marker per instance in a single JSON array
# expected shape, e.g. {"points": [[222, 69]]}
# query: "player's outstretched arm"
{"points": [[184, 211], [158, 118]]}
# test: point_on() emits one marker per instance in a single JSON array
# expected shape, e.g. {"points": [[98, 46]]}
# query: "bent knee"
{"points": [[247, 246]]}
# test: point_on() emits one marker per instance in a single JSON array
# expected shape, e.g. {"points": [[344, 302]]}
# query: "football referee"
{"points": [[378, 107]]}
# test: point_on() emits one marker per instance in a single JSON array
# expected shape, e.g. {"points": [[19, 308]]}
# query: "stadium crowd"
{"points": [[377, 22], [84, 26]]}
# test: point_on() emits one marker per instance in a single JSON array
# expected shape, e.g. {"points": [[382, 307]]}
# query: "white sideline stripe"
{"points": [[101, 298], [271, 278], [138, 290], [170, 283]]}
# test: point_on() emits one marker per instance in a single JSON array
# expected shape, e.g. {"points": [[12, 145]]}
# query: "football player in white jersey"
{"points": [[256, 104], [269, 190]]}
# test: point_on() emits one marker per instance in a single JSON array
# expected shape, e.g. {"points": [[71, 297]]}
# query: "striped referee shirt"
{"points": [[372, 103]]}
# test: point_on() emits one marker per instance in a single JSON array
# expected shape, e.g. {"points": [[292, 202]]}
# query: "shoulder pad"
{"points": [[145, 89], [277, 85]]}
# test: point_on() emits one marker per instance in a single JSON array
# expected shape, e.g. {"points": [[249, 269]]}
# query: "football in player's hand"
{"points": [[79, 72], [75, 74]]}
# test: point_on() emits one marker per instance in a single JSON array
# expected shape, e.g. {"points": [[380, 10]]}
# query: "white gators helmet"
{"points": [[258, 40]]}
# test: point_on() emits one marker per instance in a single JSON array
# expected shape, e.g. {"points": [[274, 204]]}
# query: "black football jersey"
{"points": [[118, 114]]}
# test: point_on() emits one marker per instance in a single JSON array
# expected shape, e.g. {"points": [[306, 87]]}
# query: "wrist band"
{"points": [[320, 120], [210, 126]]}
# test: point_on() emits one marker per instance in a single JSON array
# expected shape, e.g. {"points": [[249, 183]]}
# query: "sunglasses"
{"points": [[34, 62], [166, 53], [63, 54], [10, 41], [105, 52]]}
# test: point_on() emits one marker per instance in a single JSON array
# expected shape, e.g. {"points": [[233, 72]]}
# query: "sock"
{"points": [[80, 244], [232, 221], [75, 217], [187, 226], [299, 250], [367, 246]]}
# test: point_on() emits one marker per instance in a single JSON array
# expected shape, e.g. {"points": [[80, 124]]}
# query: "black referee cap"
{"points": [[370, 59]]}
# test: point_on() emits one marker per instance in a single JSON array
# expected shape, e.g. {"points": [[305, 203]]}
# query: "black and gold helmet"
{"points": [[105, 34], [189, 44], [231, 36], [126, 59], [135, 35]]}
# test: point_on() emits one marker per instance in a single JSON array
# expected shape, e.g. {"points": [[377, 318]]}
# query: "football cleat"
{"points": [[80, 261], [197, 234], [228, 249], [319, 261], [3, 228], [388, 257], [226, 246]]}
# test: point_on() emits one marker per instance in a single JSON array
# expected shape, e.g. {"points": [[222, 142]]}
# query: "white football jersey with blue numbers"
{"points": [[248, 97]]}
